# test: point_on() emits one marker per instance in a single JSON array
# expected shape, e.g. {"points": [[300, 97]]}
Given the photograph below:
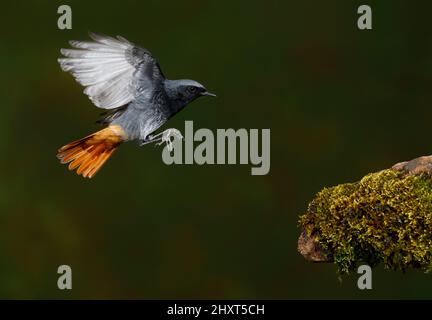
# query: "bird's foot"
{"points": [[166, 137]]}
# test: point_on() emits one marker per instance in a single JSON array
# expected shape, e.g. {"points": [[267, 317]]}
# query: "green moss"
{"points": [[384, 218]]}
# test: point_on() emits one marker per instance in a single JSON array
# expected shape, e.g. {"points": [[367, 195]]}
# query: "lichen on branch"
{"points": [[386, 218]]}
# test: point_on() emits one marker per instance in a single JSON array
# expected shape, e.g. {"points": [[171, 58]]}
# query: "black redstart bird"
{"points": [[127, 80]]}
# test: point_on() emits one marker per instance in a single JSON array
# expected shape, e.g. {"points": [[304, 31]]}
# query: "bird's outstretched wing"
{"points": [[113, 70]]}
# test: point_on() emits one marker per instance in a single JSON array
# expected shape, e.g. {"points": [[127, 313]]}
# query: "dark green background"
{"points": [[340, 103]]}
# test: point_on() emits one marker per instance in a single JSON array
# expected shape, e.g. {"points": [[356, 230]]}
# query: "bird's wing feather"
{"points": [[109, 67]]}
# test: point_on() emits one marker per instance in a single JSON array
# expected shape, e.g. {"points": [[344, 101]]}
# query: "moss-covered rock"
{"points": [[384, 218]]}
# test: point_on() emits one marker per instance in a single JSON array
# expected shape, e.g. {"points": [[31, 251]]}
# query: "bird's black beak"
{"points": [[206, 93]]}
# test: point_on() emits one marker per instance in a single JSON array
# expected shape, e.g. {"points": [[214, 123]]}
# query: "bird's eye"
{"points": [[192, 89]]}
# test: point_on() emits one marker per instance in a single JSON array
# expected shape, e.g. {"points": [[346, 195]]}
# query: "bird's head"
{"points": [[188, 90]]}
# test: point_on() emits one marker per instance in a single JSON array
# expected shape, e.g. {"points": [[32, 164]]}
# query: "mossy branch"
{"points": [[384, 218]]}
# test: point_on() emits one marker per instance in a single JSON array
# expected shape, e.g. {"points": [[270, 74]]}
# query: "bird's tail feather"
{"points": [[89, 154]]}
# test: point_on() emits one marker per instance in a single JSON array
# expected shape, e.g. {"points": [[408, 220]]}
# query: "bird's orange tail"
{"points": [[89, 154]]}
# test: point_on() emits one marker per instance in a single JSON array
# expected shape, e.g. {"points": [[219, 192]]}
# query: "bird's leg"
{"points": [[164, 137], [147, 140]]}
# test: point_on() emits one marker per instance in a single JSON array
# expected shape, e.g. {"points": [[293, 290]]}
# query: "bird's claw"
{"points": [[166, 138]]}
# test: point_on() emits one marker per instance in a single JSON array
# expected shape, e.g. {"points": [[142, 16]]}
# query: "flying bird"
{"points": [[126, 80]]}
